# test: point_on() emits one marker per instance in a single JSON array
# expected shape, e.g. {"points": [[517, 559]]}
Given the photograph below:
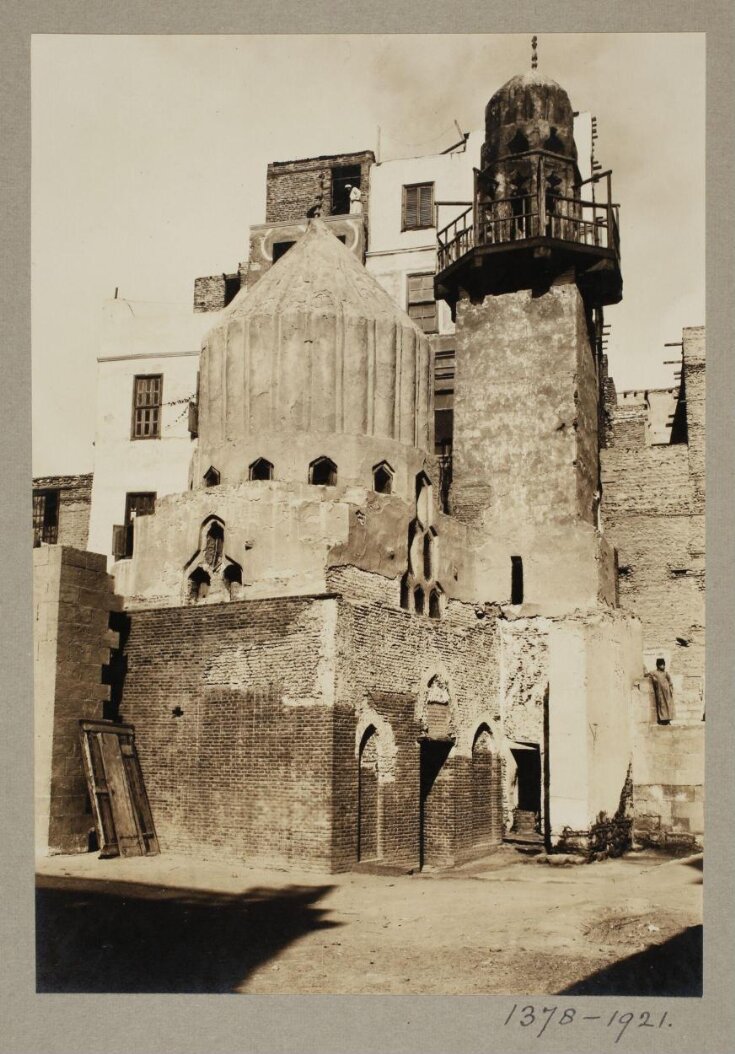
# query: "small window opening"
{"points": [[435, 605], [232, 577], [418, 600], [280, 249], [518, 144], [383, 478], [344, 178], [554, 144], [261, 469], [428, 562], [516, 580], [211, 477], [323, 472], [199, 582], [405, 594]]}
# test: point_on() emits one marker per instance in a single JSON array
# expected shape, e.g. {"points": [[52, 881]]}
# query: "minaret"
{"points": [[526, 274]]}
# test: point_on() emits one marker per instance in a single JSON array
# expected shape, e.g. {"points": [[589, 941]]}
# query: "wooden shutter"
{"points": [[119, 541], [426, 205], [193, 419], [410, 208]]}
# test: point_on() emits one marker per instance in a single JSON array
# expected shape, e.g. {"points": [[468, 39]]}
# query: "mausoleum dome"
{"points": [[315, 356], [529, 112]]}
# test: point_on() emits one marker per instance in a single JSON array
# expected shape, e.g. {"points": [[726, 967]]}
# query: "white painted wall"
{"points": [[142, 338], [394, 254]]}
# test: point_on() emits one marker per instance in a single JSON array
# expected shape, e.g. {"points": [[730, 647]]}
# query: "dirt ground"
{"points": [[506, 924]]}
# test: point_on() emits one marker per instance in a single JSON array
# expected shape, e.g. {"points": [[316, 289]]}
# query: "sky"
{"points": [[150, 153]]}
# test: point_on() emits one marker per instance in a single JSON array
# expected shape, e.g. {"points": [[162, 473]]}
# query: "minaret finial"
{"points": [[534, 52]]}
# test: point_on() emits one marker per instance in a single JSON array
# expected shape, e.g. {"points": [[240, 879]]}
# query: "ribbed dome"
{"points": [[530, 107], [317, 346], [319, 274]]}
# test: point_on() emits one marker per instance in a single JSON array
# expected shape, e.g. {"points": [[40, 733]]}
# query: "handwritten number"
{"points": [[510, 1015], [550, 1010], [567, 1017], [647, 1022], [624, 1020], [528, 1012]]}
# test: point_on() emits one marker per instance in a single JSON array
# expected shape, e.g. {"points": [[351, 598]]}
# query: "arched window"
{"points": [[518, 144], [214, 545], [232, 577], [260, 469], [199, 582], [323, 472], [428, 555], [554, 144], [368, 798], [211, 477], [423, 499], [435, 604], [383, 478], [405, 593], [418, 600]]}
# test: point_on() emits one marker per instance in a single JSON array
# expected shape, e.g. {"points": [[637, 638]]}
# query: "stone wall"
{"points": [[669, 778], [293, 187], [75, 498], [73, 599], [525, 411]]}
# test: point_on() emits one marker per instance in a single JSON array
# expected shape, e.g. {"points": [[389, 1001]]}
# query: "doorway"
{"points": [[368, 799], [432, 821], [527, 812]]}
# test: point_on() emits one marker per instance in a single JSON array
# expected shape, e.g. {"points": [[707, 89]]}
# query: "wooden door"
{"points": [[119, 801]]}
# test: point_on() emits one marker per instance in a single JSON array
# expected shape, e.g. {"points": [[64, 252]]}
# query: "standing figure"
{"points": [[355, 199], [663, 690]]}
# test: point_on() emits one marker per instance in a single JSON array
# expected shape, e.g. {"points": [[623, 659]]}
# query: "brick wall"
{"points": [[387, 658], [292, 187], [213, 292], [73, 599], [245, 770], [248, 714]]}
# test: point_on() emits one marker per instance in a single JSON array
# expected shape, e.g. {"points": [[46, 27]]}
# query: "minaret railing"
{"points": [[540, 214]]}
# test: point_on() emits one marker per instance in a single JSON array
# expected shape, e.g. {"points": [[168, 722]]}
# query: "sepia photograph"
{"points": [[369, 516]]}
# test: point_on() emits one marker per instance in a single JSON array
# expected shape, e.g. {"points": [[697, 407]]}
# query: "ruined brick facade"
{"points": [[653, 512], [293, 187], [73, 498]]}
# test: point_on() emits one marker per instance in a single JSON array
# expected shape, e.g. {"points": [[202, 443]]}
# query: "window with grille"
{"points": [[421, 303], [147, 399], [418, 206], [45, 517]]}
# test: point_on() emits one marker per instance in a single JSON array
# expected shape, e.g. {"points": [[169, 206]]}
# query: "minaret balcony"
{"points": [[505, 244]]}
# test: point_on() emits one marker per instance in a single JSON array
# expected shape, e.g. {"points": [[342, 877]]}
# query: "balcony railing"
{"points": [[507, 221]]}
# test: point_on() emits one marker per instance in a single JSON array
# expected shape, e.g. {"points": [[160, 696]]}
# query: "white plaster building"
{"points": [[143, 341]]}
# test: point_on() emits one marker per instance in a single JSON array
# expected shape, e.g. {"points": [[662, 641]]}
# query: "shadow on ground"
{"points": [[672, 968], [124, 937]]}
